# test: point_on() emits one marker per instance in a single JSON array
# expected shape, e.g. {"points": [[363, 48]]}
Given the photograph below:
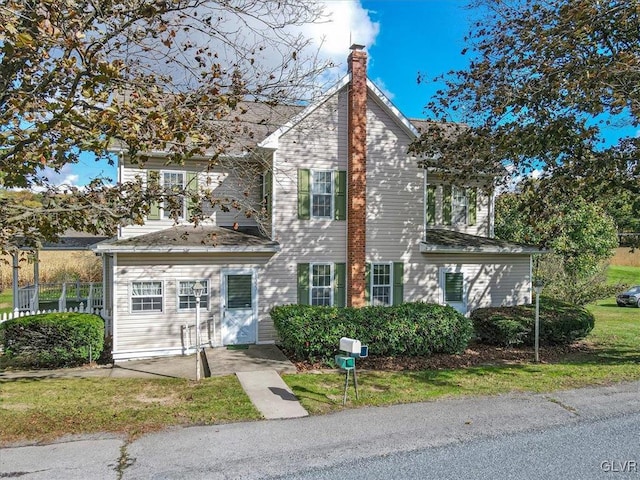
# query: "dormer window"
{"points": [[173, 185]]}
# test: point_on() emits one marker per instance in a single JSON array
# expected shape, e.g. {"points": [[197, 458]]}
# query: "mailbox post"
{"points": [[352, 349]]}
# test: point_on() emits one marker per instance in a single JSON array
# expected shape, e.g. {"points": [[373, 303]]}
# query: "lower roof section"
{"points": [[448, 241], [191, 239]]}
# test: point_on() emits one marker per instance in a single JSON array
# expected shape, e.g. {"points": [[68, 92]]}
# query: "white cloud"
{"points": [[348, 23]]}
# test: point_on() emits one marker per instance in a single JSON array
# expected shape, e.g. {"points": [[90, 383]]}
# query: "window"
{"points": [[381, 284], [321, 287], [453, 287], [173, 185], [146, 296], [322, 194], [186, 298], [458, 206]]}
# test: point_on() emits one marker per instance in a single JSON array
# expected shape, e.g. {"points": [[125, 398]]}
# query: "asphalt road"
{"points": [[561, 435]]}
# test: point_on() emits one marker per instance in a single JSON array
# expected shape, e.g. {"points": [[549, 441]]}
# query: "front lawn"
{"points": [[44, 409], [611, 353]]}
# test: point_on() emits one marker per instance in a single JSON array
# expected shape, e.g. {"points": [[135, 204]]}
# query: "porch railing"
{"points": [[63, 294]]}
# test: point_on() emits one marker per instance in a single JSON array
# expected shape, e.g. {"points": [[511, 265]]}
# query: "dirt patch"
{"points": [[473, 356]]}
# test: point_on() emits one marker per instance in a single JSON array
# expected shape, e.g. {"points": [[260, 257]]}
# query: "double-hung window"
{"points": [[322, 194], [321, 287], [186, 298], [146, 296], [381, 284], [459, 202], [173, 184]]}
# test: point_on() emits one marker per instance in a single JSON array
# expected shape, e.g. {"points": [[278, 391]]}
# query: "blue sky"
{"points": [[402, 38]]}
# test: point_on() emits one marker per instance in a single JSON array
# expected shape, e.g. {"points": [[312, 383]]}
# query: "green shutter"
{"points": [[267, 191], [340, 200], [304, 194], [472, 195], [303, 284], [192, 189], [431, 204], [339, 285], [398, 283], [153, 178], [367, 282], [446, 204]]}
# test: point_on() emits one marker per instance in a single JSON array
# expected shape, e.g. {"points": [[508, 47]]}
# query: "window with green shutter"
{"points": [[446, 204], [153, 179], [431, 205], [472, 198], [385, 283], [341, 195], [303, 284], [193, 203], [304, 194]]}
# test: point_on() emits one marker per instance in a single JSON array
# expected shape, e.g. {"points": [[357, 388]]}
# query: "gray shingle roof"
{"points": [[187, 238], [447, 241]]}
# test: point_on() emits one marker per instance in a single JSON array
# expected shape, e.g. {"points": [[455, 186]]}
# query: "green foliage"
{"points": [[53, 340], [579, 234], [561, 323], [310, 332], [138, 76], [544, 83]]}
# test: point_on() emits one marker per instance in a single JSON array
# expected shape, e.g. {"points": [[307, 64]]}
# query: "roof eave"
{"points": [[427, 248], [185, 249]]}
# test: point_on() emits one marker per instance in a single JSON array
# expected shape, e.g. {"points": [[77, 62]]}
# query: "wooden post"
{"points": [[16, 268]]}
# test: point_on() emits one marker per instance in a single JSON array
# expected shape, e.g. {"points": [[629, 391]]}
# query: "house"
{"points": [[333, 212]]}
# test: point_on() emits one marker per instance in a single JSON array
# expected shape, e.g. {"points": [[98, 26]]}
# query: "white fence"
{"points": [[104, 314]]}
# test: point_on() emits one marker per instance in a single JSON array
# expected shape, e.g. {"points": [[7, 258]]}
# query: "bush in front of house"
{"points": [[53, 340], [560, 324], [313, 333]]}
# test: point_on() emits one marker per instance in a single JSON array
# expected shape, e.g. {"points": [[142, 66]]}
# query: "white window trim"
{"points": [[184, 199], [331, 284], [332, 195], [371, 301], [201, 280], [146, 312], [465, 289]]}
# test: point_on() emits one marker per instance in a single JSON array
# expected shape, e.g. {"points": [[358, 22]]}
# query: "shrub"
{"points": [[560, 323], [53, 340], [312, 333]]}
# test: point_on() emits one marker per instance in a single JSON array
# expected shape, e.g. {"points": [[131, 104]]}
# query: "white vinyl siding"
{"points": [[186, 298], [146, 297]]}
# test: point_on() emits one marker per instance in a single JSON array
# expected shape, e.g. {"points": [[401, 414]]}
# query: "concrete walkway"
{"points": [[270, 395], [258, 368]]}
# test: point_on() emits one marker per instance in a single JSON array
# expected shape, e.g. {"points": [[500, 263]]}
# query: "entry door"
{"points": [[239, 307]]}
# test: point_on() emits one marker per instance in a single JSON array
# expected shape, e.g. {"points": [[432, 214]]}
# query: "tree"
{"points": [[77, 76], [579, 235], [546, 79]]}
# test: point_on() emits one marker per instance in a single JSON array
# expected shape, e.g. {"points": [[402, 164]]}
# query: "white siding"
{"points": [[162, 331], [240, 185], [319, 142]]}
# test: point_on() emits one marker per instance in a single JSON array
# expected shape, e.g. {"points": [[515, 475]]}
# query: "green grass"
{"points": [[611, 354], [6, 301], [626, 275], [45, 409]]}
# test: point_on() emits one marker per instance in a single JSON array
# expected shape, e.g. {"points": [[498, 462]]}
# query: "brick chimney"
{"points": [[357, 178]]}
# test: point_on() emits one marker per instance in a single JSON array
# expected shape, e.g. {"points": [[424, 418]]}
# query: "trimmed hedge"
{"points": [[53, 340], [560, 323], [312, 333]]}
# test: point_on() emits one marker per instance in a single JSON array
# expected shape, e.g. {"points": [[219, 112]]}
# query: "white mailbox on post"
{"points": [[350, 345]]}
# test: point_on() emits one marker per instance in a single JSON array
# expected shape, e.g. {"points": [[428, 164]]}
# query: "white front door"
{"points": [[454, 291], [239, 306]]}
